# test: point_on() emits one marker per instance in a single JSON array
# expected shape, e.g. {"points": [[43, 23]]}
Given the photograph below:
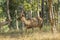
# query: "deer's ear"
{"points": [[22, 15]]}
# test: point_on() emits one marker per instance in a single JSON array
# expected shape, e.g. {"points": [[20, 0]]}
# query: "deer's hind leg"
{"points": [[40, 28], [29, 30]]}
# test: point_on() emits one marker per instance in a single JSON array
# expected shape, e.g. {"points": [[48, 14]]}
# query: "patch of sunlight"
{"points": [[5, 28], [44, 3], [2, 19]]}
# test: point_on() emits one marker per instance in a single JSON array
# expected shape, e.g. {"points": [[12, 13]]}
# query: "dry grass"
{"points": [[33, 36]]}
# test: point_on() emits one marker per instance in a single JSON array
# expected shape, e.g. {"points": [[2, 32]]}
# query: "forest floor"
{"points": [[32, 36]]}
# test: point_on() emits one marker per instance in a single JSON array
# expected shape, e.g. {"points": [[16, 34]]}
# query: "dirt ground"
{"points": [[33, 36]]}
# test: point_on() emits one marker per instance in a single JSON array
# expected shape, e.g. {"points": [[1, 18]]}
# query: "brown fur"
{"points": [[33, 22]]}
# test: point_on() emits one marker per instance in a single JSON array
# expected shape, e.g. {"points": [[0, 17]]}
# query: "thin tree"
{"points": [[38, 7], [51, 14], [8, 13], [8, 16], [16, 20], [42, 10], [30, 13]]}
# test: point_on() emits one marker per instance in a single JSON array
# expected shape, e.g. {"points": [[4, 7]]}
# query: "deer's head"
{"points": [[21, 15]]}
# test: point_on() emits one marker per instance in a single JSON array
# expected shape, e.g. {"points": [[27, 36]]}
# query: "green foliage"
{"points": [[46, 28], [27, 6], [56, 1], [5, 28], [1, 10], [2, 1]]}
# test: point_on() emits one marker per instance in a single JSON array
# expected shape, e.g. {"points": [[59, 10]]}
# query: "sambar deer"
{"points": [[31, 23]]}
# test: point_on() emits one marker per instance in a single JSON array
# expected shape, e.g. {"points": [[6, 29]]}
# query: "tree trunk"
{"points": [[42, 13], [58, 13], [30, 13], [8, 13], [38, 8], [16, 20], [52, 20]]}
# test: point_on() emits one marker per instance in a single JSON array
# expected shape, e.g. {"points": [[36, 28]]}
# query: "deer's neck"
{"points": [[23, 19]]}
